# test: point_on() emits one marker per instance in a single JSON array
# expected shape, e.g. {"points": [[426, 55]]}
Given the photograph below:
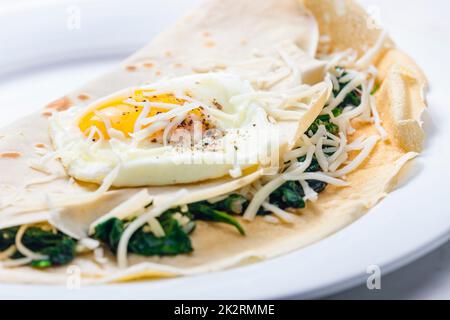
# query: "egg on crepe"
{"points": [[183, 130]]}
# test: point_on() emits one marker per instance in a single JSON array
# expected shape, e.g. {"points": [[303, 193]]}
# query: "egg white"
{"points": [[248, 136]]}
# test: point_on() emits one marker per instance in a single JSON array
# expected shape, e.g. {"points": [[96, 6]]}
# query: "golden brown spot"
{"points": [[158, 73], [10, 155], [40, 145], [131, 68], [210, 44], [148, 65], [46, 114], [178, 65], [168, 54], [61, 104], [83, 97], [206, 34]]}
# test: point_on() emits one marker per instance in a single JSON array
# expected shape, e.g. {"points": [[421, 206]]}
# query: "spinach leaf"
{"points": [[188, 228], [7, 237], [109, 232], [175, 241], [234, 203], [313, 167], [317, 186], [207, 212], [59, 247], [352, 99], [324, 120], [289, 195]]}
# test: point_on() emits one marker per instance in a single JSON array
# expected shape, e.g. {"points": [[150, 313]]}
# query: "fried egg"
{"points": [[183, 130]]}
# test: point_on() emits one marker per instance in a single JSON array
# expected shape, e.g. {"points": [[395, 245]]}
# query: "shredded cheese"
{"points": [[286, 50], [124, 210], [376, 119], [271, 219], [170, 114], [16, 262], [310, 194], [352, 85], [60, 201], [236, 172], [338, 162], [174, 123], [8, 252], [144, 113], [264, 191], [87, 244], [295, 154], [320, 155], [43, 180], [260, 197], [340, 150], [24, 250], [156, 228], [319, 176], [151, 129], [284, 216], [369, 145]]}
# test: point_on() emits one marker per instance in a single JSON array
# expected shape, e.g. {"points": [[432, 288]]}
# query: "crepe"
{"points": [[206, 39]]}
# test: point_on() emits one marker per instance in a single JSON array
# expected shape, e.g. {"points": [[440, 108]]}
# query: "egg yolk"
{"points": [[122, 116]]}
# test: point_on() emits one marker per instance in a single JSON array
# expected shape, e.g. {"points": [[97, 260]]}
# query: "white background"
{"points": [[427, 278]]}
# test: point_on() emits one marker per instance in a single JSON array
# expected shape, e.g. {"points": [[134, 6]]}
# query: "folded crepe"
{"points": [[345, 103]]}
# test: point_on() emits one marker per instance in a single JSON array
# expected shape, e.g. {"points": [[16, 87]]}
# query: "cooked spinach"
{"points": [[313, 167], [7, 237], [352, 99], [59, 247], [175, 241], [109, 232], [324, 120], [211, 212], [234, 203], [188, 228], [317, 186], [289, 195]]}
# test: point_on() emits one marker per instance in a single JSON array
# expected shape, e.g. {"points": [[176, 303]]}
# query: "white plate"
{"points": [[41, 59]]}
